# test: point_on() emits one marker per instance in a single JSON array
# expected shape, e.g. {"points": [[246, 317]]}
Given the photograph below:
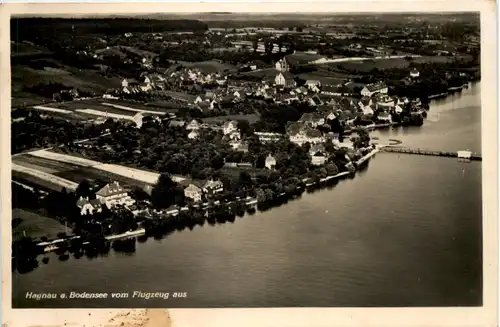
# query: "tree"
{"points": [[332, 169], [164, 192], [83, 189], [255, 44]]}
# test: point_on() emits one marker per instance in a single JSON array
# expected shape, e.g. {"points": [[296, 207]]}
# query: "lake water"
{"points": [[406, 231]]}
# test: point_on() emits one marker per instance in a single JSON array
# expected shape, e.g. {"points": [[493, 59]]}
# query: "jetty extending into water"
{"points": [[467, 155]]}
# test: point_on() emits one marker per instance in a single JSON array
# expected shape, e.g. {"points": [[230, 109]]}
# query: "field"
{"points": [[212, 66], [250, 118], [27, 49], [77, 161], [90, 108], [74, 169], [381, 64], [34, 225], [84, 80], [41, 178], [42, 164]]}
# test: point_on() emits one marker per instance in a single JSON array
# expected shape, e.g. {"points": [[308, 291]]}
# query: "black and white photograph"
{"points": [[247, 160]]}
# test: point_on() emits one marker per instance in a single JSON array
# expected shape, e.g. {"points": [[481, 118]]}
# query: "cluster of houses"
{"points": [[112, 195]]}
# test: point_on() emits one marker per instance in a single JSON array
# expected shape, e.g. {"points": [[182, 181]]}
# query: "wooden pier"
{"points": [[424, 152]]}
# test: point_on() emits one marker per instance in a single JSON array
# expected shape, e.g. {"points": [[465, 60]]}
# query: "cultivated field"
{"points": [[43, 179], [94, 112], [51, 109], [34, 225], [126, 108], [389, 63], [65, 158], [42, 164], [250, 118], [211, 66], [85, 80], [103, 170]]}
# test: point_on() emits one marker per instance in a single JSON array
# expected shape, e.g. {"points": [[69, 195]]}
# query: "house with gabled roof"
{"points": [[384, 117], [317, 147], [88, 207], [114, 194], [299, 134], [284, 79], [229, 127], [311, 119], [371, 89], [213, 186], [193, 192], [193, 125], [176, 123], [270, 162], [318, 158], [193, 135], [314, 101]]}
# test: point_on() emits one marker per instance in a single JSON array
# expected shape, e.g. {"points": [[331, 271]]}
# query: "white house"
{"points": [[198, 100], [398, 109], [414, 73], [213, 186], [302, 135], [193, 125], [193, 192], [318, 159], [313, 85], [193, 135], [311, 119], [385, 117], [371, 89], [284, 79], [137, 119], [270, 162], [282, 65], [113, 194], [464, 154], [230, 127], [88, 207]]}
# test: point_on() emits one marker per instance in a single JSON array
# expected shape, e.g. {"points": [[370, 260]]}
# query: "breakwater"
{"points": [[466, 155]]}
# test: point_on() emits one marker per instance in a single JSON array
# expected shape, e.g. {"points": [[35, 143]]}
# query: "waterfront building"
{"points": [[213, 186], [193, 192], [318, 159], [114, 194], [88, 207]]}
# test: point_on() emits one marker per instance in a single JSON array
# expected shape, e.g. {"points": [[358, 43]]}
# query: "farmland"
{"points": [[364, 66], [211, 66], [41, 178], [55, 167], [83, 79], [34, 225], [90, 108], [250, 118]]}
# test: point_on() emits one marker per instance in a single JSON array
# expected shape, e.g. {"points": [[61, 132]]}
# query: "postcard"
{"points": [[261, 160]]}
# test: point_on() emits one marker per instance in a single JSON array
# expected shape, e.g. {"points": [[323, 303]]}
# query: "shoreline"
{"points": [[250, 206]]}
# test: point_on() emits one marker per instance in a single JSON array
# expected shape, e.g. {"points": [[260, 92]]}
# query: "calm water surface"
{"points": [[406, 231]]}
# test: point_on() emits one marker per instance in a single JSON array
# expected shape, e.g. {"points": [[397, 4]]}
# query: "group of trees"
{"points": [[31, 130]]}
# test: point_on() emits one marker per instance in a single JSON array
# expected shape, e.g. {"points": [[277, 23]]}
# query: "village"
{"points": [[175, 144]]}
